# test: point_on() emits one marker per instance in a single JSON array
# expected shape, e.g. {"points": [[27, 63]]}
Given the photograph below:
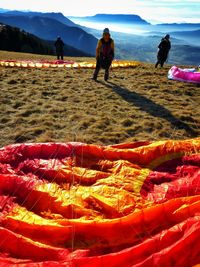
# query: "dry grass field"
{"points": [[42, 105]]}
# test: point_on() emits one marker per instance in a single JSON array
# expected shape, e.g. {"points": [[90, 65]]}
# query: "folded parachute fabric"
{"points": [[80, 205], [63, 64], [184, 75]]}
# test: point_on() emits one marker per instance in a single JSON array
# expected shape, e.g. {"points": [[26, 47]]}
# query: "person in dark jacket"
{"points": [[59, 45], [104, 54], [163, 51]]}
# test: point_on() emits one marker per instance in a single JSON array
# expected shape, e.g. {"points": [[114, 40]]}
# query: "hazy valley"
{"points": [[135, 38]]}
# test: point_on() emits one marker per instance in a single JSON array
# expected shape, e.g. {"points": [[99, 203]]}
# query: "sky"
{"points": [[151, 10]]}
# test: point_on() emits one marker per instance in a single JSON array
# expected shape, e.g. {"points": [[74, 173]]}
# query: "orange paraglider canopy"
{"points": [[75, 204], [64, 64]]}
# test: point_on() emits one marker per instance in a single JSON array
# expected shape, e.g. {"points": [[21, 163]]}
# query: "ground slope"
{"points": [[39, 105]]}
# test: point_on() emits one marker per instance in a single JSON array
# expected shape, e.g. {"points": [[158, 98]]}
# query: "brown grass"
{"points": [[41, 105]]}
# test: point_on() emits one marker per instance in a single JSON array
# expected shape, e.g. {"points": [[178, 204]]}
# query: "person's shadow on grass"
{"points": [[149, 106]]}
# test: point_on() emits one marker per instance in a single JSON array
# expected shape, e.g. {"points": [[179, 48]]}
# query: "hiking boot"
{"points": [[106, 76], [94, 78]]}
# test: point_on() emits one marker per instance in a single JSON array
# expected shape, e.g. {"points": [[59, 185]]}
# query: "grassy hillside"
{"points": [[13, 39], [39, 105]]}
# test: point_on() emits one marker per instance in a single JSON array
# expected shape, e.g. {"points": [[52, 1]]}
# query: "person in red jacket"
{"points": [[104, 54]]}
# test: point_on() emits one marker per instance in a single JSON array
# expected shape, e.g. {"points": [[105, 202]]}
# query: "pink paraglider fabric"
{"points": [[184, 75]]}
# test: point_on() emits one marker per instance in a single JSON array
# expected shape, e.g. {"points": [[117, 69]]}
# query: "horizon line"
{"points": [[151, 21]]}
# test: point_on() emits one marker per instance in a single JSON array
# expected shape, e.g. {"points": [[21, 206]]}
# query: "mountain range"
{"points": [[48, 28], [14, 39], [113, 18], [185, 37], [192, 37], [2, 10], [57, 16]]}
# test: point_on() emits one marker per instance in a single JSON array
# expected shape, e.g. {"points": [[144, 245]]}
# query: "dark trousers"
{"points": [[161, 58], [161, 62], [59, 55], [104, 64]]}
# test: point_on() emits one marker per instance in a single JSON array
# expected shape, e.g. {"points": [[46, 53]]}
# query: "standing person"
{"points": [[104, 54], [164, 47], [59, 48]]}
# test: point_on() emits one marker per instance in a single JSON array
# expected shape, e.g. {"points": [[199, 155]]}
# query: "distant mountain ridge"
{"points": [[177, 27], [192, 36], [48, 29], [2, 10], [14, 39], [118, 18], [179, 24], [52, 15], [185, 37]]}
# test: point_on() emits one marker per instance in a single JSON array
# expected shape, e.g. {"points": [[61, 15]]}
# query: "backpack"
{"points": [[164, 45], [59, 45], [106, 54], [106, 50]]}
